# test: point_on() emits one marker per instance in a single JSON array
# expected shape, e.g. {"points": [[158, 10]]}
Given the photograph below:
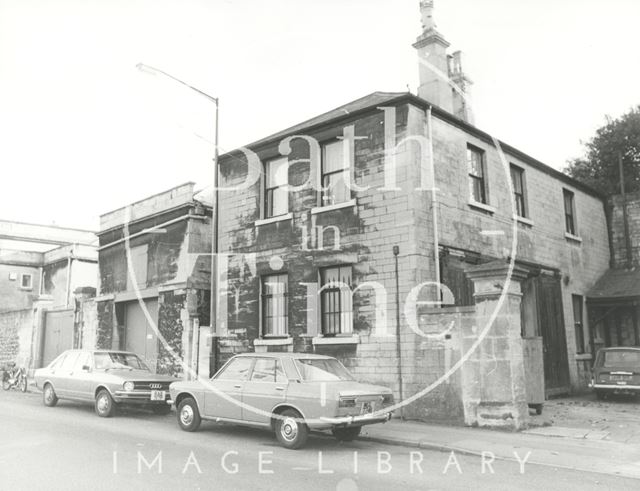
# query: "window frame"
{"points": [[345, 171], [521, 197], [579, 324], [263, 305], [474, 178], [231, 362], [570, 222], [22, 277], [343, 330], [267, 211]]}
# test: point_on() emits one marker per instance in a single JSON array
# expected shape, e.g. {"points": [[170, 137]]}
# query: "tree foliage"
{"points": [[598, 168]]}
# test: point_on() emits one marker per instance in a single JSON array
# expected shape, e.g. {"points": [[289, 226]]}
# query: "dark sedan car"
{"points": [[616, 371]]}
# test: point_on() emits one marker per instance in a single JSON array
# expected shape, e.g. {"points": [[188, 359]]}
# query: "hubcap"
{"points": [[103, 403], [289, 429], [48, 394], [186, 415]]}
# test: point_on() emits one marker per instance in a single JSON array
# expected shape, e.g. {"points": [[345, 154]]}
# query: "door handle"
{"points": [[238, 386], [279, 388]]}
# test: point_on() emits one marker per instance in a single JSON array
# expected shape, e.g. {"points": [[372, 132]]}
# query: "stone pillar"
{"points": [[493, 377]]}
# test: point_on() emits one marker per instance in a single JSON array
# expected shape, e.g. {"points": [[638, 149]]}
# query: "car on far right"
{"points": [[616, 371]]}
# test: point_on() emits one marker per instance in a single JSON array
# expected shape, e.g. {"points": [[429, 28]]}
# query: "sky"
{"points": [[84, 132]]}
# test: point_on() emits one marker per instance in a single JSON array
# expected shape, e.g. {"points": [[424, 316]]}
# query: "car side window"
{"points": [[69, 361], [237, 369], [280, 376], [264, 370], [55, 364], [83, 359]]}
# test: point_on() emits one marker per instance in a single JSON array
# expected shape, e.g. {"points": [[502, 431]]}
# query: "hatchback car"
{"points": [[616, 371], [288, 393], [106, 378]]}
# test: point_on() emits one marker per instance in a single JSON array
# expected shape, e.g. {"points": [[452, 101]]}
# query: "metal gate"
{"points": [[58, 334], [551, 323]]}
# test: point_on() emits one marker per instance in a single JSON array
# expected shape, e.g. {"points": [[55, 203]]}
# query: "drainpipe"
{"points": [[625, 218], [69, 263], [396, 252], [434, 206]]}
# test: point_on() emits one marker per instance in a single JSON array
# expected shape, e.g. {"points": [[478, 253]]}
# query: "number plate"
{"points": [[367, 408], [620, 377], [158, 395]]}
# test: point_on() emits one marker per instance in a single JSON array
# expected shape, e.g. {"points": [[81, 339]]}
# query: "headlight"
{"points": [[128, 386]]}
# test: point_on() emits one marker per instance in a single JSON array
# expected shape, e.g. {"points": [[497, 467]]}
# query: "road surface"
{"points": [[68, 447]]}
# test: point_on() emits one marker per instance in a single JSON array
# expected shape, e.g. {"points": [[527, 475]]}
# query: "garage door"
{"points": [[140, 336], [58, 334]]}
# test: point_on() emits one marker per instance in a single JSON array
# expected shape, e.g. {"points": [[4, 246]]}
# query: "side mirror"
{"points": [[86, 368]]}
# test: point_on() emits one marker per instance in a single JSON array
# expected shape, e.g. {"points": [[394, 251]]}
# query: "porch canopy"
{"points": [[616, 287]]}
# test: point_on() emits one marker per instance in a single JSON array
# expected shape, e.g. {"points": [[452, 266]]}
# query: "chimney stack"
{"points": [[442, 78]]}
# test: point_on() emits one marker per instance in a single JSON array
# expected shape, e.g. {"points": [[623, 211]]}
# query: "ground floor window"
{"points": [[578, 323], [336, 306], [275, 305]]}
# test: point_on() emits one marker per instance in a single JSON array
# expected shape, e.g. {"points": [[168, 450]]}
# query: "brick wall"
{"points": [[16, 330]]}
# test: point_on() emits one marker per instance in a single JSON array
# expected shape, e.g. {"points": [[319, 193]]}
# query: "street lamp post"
{"points": [[214, 221]]}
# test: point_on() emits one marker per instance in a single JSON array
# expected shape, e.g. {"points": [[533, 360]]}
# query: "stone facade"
{"points": [[362, 233]]}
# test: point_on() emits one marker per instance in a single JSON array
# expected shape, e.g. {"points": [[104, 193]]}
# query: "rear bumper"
{"points": [[361, 420]]}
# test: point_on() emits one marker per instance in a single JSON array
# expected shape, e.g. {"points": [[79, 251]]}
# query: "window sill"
{"points": [[572, 237], [321, 209], [273, 342], [279, 218], [354, 339], [482, 207], [524, 221]]}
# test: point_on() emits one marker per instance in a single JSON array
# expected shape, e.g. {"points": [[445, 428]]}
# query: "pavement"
{"points": [[599, 437]]}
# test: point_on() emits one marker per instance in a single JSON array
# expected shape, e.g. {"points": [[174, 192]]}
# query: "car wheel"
{"points": [[23, 384], [49, 396], [188, 415], [346, 434], [291, 430], [105, 407], [161, 409]]}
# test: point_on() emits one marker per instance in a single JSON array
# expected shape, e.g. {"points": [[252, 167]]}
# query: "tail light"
{"points": [[347, 402]]}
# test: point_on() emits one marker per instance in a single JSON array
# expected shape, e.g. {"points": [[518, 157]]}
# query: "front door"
{"points": [[64, 374], [140, 335], [266, 389], [551, 323], [230, 382]]}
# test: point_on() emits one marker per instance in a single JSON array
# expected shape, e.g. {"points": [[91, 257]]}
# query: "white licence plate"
{"points": [[158, 395]]}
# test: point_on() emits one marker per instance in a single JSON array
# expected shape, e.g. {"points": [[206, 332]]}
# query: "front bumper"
{"points": [[360, 420], [138, 397], [615, 387]]}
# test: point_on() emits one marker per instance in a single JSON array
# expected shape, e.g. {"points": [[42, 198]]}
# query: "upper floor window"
{"points": [[336, 307], [26, 281], [569, 212], [275, 305], [517, 179], [276, 195], [335, 173], [477, 171]]}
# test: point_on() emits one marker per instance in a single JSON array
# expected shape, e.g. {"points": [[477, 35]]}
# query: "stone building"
{"points": [[392, 233], [44, 273], [614, 302], [155, 276]]}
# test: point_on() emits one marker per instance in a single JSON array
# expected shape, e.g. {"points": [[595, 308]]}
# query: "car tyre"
{"points": [[105, 406], [49, 396], [291, 430], [161, 409], [346, 434], [188, 415]]}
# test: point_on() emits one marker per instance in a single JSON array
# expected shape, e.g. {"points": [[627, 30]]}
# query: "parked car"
{"points": [[288, 393], [107, 378], [616, 371]]}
